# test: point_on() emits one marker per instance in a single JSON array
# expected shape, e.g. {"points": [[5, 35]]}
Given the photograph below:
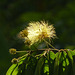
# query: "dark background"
{"points": [[15, 14]]}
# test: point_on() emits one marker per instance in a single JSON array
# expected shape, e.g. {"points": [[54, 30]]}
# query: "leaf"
{"points": [[17, 69], [73, 52], [15, 72], [22, 65], [11, 69], [14, 69], [70, 58], [30, 66], [64, 54], [52, 55], [46, 68], [39, 66], [56, 64], [65, 63], [70, 55]]}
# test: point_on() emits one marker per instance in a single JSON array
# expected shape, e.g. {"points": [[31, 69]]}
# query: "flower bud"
{"points": [[14, 61], [23, 33], [12, 51], [27, 42]]}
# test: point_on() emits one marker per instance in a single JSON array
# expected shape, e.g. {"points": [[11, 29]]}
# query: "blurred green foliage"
{"points": [[16, 14]]}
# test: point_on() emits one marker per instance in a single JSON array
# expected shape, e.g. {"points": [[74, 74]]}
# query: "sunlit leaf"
{"points": [[73, 52], [70, 55], [52, 55], [64, 61], [46, 68], [11, 69], [15, 72]]}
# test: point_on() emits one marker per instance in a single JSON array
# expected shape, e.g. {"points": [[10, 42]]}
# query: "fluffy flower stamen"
{"points": [[38, 31]]}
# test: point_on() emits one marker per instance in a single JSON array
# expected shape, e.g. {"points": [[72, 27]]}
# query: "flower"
{"points": [[40, 30], [47, 31]]}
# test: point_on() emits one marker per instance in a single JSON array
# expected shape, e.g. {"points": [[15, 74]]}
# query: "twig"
{"points": [[49, 43]]}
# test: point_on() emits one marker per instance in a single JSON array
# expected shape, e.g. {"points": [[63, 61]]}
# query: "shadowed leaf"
{"points": [[56, 64], [39, 66]]}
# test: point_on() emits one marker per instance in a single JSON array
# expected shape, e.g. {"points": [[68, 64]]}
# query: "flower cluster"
{"points": [[37, 31]]}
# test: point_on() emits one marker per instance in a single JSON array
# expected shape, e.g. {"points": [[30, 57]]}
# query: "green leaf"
{"points": [[67, 61], [64, 61], [64, 54], [14, 69], [56, 64], [11, 69], [39, 66], [52, 55], [46, 68], [64, 64], [15, 72], [70, 55], [73, 52], [70, 58], [17, 69], [30, 66]]}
